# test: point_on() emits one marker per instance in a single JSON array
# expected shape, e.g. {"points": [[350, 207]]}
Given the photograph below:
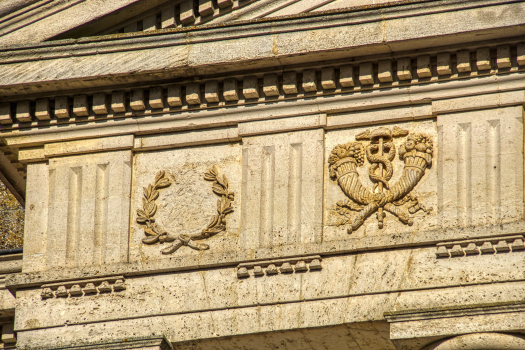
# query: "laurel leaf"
{"points": [[154, 195], [150, 240], [152, 209], [159, 176], [158, 229], [146, 192], [220, 179], [213, 221], [209, 177], [144, 202], [225, 180], [165, 182], [227, 210], [225, 203], [218, 190], [141, 219], [141, 212]]}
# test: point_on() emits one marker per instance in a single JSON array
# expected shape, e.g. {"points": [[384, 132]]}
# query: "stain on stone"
{"points": [[11, 220]]}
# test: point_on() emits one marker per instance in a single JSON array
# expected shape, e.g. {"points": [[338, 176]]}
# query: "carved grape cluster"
{"points": [[417, 141], [353, 150]]}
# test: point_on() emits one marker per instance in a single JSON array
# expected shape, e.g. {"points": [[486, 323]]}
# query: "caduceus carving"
{"points": [[416, 153]]}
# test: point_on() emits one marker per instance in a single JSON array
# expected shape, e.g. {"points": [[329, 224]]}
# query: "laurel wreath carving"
{"points": [[157, 234]]}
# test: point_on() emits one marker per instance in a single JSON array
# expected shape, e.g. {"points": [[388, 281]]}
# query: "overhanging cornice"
{"points": [[180, 54]]}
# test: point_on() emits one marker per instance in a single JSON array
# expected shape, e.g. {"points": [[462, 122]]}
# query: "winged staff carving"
{"points": [[378, 148]]}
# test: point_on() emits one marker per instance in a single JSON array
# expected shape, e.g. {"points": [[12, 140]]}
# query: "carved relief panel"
{"points": [[186, 201], [481, 167], [78, 211], [380, 180]]}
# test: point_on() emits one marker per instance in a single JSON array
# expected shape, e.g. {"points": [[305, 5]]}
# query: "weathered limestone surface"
{"points": [[84, 203], [215, 49], [329, 181]]}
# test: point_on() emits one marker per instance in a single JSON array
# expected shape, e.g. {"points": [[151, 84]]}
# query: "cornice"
{"points": [[232, 258], [317, 89], [194, 51]]}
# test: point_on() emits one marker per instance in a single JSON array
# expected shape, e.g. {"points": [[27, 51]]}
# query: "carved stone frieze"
{"points": [[155, 233], [83, 287], [481, 246], [380, 151], [279, 266]]}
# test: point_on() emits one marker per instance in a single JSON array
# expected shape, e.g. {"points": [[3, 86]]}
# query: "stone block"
{"points": [[211, 91], [224, 3], [100, 105], [463, 61], [281, 125], [131, 27], [480, 185], [198, 205], [271, 85], [118, 102], [502, 246], [186, 12], [174, 96], [156, 97], [250, 87], [86, 204], [424, 68], [517, 245], [503, 56], [80, 106], [206, 7], [193, 94], [328, 78], [290, 83], [137, 102], [230, 89], [346, 76], [8, 333], [149, 23], [23, 111], [88, 146], [366, 73], [337, 189], [404, 68], [444, 66], [290, 160], [384, 71], [483, 58], [167, 18], [5, 113], [310, 80], [42, 109], [521, 54]]}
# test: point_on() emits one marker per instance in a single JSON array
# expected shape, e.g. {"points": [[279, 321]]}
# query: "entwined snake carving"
{"points": [[416, 153]]}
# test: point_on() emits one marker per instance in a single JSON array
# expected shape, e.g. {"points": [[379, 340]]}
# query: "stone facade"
{"points": [[264, 174]]}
